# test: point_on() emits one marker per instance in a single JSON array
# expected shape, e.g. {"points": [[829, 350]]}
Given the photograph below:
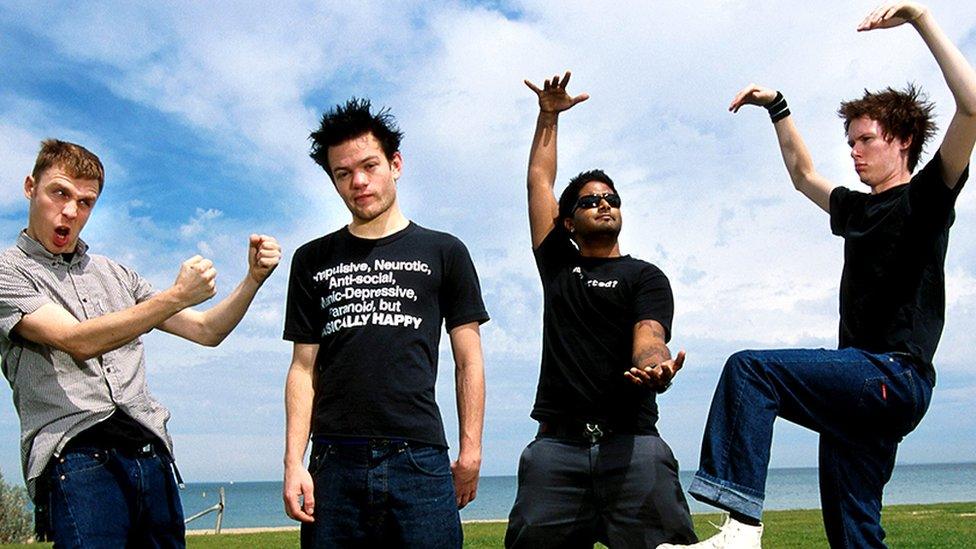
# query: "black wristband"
{"points": [[777, 108]]}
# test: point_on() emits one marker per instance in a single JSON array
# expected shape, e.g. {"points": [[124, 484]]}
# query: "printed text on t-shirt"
{"points": [[360, 294]]}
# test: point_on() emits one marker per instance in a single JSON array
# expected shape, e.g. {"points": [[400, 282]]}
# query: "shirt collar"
{"points": [[36, 250]]}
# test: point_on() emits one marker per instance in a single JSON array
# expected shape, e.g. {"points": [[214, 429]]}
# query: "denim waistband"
{"points": [[923, 368]]}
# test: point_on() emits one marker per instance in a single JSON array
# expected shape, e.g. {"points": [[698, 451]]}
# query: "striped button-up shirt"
{"points": [[56, 396]]}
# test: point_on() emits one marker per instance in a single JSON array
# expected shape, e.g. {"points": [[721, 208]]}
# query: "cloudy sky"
{"points": [[201, 112]]}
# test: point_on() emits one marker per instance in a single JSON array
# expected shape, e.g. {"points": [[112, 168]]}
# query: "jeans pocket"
{"points": [[320, 454], [429, 460], [890, 405], [80, 461]]}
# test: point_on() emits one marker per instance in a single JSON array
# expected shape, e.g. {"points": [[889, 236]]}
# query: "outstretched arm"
{"points": [[469, 380], [799, 164], [652, 363], [53, 325], [210, 327], [960, 137], [543, 208]]}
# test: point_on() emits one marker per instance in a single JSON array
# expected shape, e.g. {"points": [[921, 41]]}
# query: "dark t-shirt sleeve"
{"points": [[653, 299], [301, 308], [461, 300], [555, 250], [841, 200], [930, 197]]}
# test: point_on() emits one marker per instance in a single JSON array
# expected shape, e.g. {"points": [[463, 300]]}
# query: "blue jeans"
{"points": [[382, 493], [862, 404], [112, 499], [622, 491]]}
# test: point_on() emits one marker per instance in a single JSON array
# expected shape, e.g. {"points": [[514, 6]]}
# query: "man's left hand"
{"points": [[657, 376], [465, 472], [263, 255]]}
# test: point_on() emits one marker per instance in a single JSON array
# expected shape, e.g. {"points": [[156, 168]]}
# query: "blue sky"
{"points": [[201, 112]]}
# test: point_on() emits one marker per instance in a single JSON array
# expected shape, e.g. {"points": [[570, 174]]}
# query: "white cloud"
{"points": [[706, 196], [197, 224]]}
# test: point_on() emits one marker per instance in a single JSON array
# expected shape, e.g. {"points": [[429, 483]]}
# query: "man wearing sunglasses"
{"points": [[597, 470]]}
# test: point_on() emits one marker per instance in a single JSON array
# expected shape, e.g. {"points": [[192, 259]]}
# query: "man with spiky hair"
{"points": [[598, 470], [97, 457], [866, 396], [365, 308]]}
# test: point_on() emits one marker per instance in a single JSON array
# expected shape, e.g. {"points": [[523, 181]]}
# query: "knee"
{"points": [[743, 362]]}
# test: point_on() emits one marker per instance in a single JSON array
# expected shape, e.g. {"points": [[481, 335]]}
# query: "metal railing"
{"points": [[215, 508]]}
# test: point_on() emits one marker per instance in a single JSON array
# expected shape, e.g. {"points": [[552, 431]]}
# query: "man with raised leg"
{"points": [[866, 396]]}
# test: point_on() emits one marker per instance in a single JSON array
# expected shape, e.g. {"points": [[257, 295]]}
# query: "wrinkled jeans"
{"points": [[108, 498], [862, 404], [382, 493]]}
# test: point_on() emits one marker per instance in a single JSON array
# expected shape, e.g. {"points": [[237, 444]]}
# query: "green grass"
{"points": [[929, 526]]}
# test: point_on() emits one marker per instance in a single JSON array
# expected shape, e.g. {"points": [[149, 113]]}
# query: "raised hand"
{"points": [[892, 14], [263, 255], [196, 281], [752, 95], [553, 97]]}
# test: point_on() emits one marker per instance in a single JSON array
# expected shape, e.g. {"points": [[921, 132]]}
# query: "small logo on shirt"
{"points": [[594, 283]]}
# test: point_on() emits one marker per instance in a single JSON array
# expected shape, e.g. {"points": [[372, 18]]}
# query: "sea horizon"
{"points": [[257, 504]]}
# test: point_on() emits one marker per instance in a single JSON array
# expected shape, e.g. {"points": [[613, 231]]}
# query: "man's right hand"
{"points": [[298, 494], [553, 98], [752, 95], [196, 281]]}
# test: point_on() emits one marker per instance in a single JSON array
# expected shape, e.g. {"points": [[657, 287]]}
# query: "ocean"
{"points": [[258, 504]]}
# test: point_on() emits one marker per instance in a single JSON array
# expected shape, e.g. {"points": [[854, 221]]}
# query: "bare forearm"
{"points": [[541, 177], [799, 164], [54, 326], [298, 415], [542, 156], [958, 73], [470, 385], [650, 354], [221, 319]]}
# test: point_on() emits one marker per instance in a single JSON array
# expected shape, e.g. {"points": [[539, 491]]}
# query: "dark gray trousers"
{"points": [[622, 491]]}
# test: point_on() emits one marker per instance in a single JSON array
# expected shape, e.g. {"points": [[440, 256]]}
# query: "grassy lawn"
{"points": [[928, 526]]}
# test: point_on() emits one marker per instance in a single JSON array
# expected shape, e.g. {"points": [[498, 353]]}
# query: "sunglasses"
{"points": [[593, 200]]}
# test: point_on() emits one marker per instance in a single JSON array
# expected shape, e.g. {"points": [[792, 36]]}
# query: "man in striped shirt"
{"points": [[94, 446]]}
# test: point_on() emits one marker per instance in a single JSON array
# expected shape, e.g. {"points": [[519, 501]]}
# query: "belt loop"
{"points": [[176, 473]]}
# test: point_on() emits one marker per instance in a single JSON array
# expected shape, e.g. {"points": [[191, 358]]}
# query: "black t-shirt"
{"points": [[892, 291], [375, 308], [590, 308]]}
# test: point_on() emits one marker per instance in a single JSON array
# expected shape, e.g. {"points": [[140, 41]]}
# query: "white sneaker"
{"points": [[732, 535]]}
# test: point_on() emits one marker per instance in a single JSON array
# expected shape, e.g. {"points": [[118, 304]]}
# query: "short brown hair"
{"points": [[902, 113], [75, 160]]}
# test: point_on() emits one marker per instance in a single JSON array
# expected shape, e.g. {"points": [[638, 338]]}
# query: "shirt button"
{"points": [[109, 369]]}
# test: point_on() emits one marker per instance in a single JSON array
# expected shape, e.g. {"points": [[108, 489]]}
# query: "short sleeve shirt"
{"points": [[376, 309], [55, 395], [892, 290], [590, 308]]}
